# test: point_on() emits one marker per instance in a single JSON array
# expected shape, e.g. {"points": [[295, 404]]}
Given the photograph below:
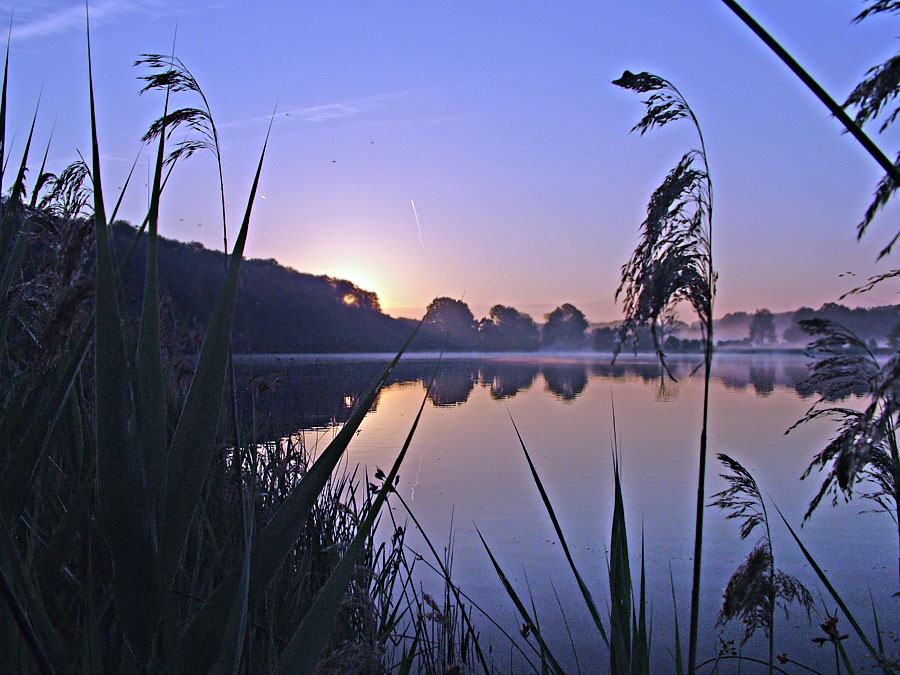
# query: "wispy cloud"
{"points": [[338, 110], [45, 19]]}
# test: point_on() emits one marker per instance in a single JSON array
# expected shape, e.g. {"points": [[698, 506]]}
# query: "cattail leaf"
{"points": [[13, 211], [582, 586], [3, 107], [277, 538], [546, 654], [151, 393], [619, 586], [192, 445], [315, 630], [640, 646], [123, 508]]}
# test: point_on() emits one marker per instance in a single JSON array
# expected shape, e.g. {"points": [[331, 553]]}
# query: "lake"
{"points": [[465, 463]]}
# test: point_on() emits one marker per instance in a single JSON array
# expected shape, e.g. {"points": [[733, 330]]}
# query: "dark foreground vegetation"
{"points": [[145, 526]]}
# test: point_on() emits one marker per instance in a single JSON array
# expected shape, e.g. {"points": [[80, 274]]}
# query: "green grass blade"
{"points": [[585, 593], [123, 508], [880, 640], [277, 538], [39, 182], [192, 445], [640, 648], [151, 390], [115, 211], [619, 586], [523, 612], [315, 630], [825, 582], [13, 212], [3, 105]]}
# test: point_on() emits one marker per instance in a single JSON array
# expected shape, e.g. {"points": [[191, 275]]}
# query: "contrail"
{"points": [[418, 226]]}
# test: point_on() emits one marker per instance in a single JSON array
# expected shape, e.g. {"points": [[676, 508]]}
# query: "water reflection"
{"points": [[565, 380], [315, 392]]}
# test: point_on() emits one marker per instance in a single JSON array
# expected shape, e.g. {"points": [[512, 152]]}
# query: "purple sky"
{"points": [[499, 120]]}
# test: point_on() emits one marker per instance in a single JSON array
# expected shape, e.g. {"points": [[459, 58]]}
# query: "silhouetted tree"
{"points": [[893, 337], [508, 329], [603, 339], [452, 318], [564, 328], [762, 328]]}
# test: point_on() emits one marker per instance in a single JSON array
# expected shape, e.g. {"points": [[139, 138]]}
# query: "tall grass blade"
{"points": [[13, 212], [277, 538], [640, 646], [825, 582], [878, 637], [619, 586], [123, 511], [3, 105], [585, 592], [192, 445], [151, 392], [526, 617], [314, 632]]}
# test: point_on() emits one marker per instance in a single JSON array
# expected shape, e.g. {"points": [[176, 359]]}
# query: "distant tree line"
{"points": [[506, 329], [878, 326], [281, 311]]}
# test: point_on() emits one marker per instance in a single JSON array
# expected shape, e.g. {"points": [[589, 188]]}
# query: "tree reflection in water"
{"points": [[309, 392], [566, 380]]}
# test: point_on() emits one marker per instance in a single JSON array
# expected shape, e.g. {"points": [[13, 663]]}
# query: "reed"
{"points": [[757, 586], [673, 263]]}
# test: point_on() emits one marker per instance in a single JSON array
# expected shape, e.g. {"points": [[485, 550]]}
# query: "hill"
{"points": [[279, 310]]}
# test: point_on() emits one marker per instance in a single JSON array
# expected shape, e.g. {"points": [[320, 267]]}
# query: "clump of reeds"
{"points": [[137, 531]]}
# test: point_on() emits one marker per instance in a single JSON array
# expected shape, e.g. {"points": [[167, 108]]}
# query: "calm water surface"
{"points": [[465, 462]]}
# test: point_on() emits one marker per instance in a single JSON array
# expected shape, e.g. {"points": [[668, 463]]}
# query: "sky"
{"points": [[498, 121]]}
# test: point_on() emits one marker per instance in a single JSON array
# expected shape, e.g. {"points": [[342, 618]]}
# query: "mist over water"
{"points": [[465, 463]]}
